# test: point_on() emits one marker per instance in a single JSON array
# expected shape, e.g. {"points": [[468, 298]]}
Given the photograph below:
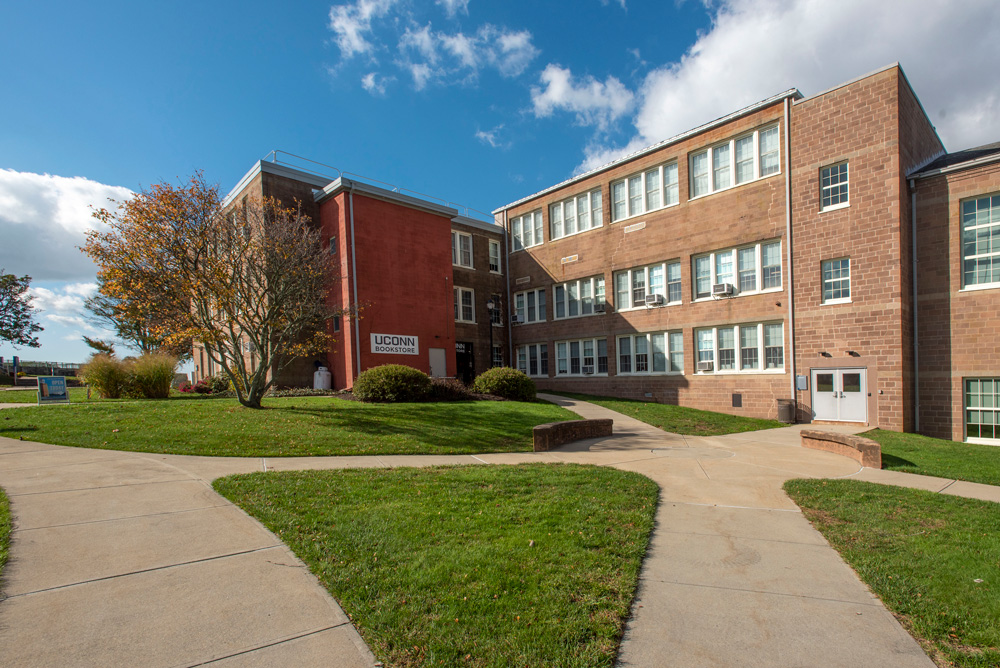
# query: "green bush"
{"points": [[152, 375], [505, 382], [392, 382], [450, 389], [108, 375]]}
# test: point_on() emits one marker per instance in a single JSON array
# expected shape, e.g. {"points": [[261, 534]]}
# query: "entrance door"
{"points": [[465, 362], [438, 362], [840, 394]]}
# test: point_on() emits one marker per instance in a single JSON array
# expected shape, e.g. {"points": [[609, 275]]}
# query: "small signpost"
{"points": [[52, 390]]}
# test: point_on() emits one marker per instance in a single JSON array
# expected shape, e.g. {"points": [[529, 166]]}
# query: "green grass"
{"points": [[287, 427], [5, 529], [30, 395], [933, 559], [678, 419], [914, 453], [436, 566]]}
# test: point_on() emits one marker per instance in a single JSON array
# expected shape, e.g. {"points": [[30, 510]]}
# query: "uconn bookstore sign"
{"points": [[395, 344]]}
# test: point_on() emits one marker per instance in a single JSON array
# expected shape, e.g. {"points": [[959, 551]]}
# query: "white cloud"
{"points": [[352, 23], [375, 84], [66, 301], [620, 3], [515, 51], [492, 137], [454, 7], [756, 48], [593, 102], [43, 221]]}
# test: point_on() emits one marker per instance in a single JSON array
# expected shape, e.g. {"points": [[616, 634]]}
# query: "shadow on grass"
{"points": [[5, 430], [892, 461]]}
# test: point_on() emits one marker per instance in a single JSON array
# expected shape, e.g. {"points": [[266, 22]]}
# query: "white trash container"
{"points": [[322, 379]]}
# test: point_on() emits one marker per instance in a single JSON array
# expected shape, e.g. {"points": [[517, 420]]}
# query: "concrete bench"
{"points": [[864, 450], [553, 434]]}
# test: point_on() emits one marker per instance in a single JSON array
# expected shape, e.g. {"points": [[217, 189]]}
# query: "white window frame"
{"points": [[457, 250], [713, 258], [581, 357], [520, 237], [662, 190], [730, 165], [827, 173], [460, 307], [968, 410], [537, 353], [595, 286], [977, 214], [495, 257], [832, 281], [595, 214], [497, 359], [762, 367], [669, 337], [646, 271], [522, 309]]}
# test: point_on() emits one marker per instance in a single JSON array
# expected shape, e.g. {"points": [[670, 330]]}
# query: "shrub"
{"points": [[203, 386], [109, 376], [152, 375], [185, 387], [505, 382], [392, 382], [449, 389], [219, 383], [300, 392]]}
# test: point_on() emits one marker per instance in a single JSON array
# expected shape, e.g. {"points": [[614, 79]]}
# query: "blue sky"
{"points": [[478, 103]]}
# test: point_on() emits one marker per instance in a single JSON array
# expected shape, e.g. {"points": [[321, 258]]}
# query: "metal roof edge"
{"points": [[957, 167], [338, 185], [263, 166]]}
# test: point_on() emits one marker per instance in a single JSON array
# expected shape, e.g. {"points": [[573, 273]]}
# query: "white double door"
{"points": [[840, 394]]}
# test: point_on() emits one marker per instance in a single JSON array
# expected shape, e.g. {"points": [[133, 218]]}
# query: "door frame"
{"points": [[838, 373]]}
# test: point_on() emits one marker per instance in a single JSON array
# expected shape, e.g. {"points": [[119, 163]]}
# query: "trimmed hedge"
{"points": [[505, 382], [392, 383], [145, 377]]}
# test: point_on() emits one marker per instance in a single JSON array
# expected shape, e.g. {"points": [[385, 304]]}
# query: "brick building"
{"points": [[770, 255]]}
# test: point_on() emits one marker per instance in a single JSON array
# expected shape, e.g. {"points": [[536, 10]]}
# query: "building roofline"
{"points": [[790, 93], [477, 223], [342, 184], [957, 167], [278, 170]]}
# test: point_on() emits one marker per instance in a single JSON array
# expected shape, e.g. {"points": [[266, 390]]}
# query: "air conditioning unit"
{"points": [[588, 369], [706, 366], [722, 289], [516, 319], [600, 308], [654, 300]]}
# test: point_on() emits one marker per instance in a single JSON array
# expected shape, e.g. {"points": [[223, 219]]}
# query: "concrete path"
{"points": [[132, 559]]}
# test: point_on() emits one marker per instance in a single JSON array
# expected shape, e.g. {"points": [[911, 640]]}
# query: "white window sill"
{"points": [[533, 322], [648, 308], [494, 271], [835, 207], [832, 302], [574, 317], [737, 185], [980, 286], [465, 322], [710, 298], [638, 215], [581, 375], [646, 374], [983, 441], [573, 234], [765, 372]]}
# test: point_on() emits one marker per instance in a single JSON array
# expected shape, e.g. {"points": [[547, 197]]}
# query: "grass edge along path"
{"points": [[533, 564], [933, 560], [5, 529], [924, 455], [677, 419]]}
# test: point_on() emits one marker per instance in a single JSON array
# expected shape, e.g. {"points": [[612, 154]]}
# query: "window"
{"points": [[461, 249], [533, 359], [833, 187], [717, 346], [982, 410], [497, 355], [656, 352], [496, 315], [981, 241], [465, 310], [333, 245], [740, 160], [336, 323], [583, 357], [837, 281], [576, 214], [526, 231], [749, 269], [495, 256], [530, 305], [653, 189], [632, 285], [577, 298]]}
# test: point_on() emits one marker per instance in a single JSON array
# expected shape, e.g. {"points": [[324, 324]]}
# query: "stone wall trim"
{"points": [[859, 448], [554, 434]]}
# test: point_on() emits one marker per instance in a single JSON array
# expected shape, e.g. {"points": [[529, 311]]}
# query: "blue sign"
{"points": [[52, 390]]}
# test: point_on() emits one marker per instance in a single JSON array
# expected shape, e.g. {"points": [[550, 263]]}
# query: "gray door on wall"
{"points": [[438, 362], [840, 395]]}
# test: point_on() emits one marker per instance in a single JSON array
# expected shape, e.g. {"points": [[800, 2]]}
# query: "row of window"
{"points": [[461, 251], [980, 219], [746, 269]]}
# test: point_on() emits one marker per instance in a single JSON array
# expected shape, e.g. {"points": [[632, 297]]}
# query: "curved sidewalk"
{"points": [[123, 558]]}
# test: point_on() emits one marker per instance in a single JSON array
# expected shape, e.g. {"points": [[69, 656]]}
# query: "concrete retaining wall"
{"points": [[861, 449], [553, 434]]}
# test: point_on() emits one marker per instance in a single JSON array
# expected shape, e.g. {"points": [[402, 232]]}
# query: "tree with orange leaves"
{"points": [[249, 282]]}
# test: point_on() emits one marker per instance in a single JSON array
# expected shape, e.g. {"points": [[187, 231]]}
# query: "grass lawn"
{"points": [[286, 427], [678, 419], [914, 453], [4, 530], [933, 559], [29, 395], [437, 566]]}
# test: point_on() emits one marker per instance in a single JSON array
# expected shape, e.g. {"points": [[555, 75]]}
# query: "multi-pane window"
{"points": [[648, 191], [496, 315], [533, 359], [632, 285], [576, 214], [530, 305], [836, 280], [497, 355], [656, 352], [461, 249], [526, 230], [981, 241], [465, 310], [749, 269], [583, 357], [833, 186], [982, 410], [495, 256], [718, 346], [740, 160], [576, 298]]}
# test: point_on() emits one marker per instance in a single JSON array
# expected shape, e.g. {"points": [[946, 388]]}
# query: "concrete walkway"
{"points": [[132, 559]]}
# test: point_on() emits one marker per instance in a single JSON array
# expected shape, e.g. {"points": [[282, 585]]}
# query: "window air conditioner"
{"points": [[516, 319], [588, 369], [600, 308], [722, 289], [654, 300], [705, 366]]}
